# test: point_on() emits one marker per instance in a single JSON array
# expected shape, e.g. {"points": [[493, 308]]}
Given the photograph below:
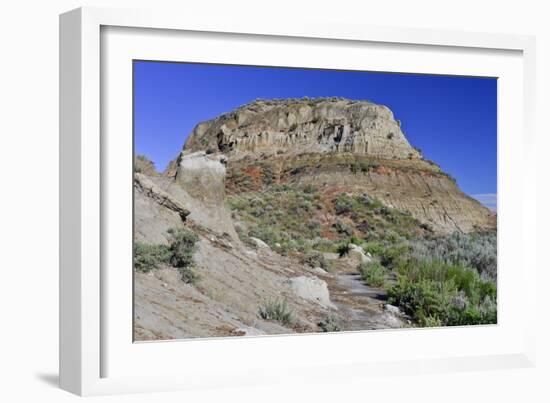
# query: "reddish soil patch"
{"points": [[255, 174], [328, 234], [383, 170]]}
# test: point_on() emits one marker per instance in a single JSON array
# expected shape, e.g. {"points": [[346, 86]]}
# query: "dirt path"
{"points": [[361, 305]]}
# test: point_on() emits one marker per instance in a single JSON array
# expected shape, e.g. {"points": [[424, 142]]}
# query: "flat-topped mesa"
{"points": [[296, 126]]}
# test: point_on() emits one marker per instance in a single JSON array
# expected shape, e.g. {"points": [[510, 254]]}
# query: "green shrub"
{"points": [[391, 255], [373, 273], [477, 250], [374, 248], [267, 234], [344, 204], [323, 244], [144, 165], [342, 248], [374, 165], [179, 254], [314, 226], [189, 275], [182, 246], [421, 300], [277, 310], [343, 228], [149, 257], [316, 259], [432, 291], [245, 239], [465, 279], [364, 167], [330, 324], [431, 321], [355, 240]]}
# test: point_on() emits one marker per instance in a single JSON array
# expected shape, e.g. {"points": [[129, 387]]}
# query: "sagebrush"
{"points": [[178, 253], [276, 310]]}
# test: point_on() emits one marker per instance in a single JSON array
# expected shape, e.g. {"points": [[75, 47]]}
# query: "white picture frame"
{"points": [[93, 348]]}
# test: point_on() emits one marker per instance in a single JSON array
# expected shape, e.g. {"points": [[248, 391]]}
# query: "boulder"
{"points": [[319, 270], [392, 309], [311, 289], [357, 253], [259, 243]]}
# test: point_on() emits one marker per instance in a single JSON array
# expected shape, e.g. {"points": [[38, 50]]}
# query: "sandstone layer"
{"points": [[294, 126]]}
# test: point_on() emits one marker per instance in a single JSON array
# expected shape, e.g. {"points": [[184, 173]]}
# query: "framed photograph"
{"points": [[243, 202]]}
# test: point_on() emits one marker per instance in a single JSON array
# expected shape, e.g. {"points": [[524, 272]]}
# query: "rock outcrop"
{"points": [[199, 183], [295, 126], [148, 188], [155, 210], [311, 288], [358, 254]]}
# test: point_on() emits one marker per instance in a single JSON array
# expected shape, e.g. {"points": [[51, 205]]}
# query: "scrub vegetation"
{"points": [[178, 253], [437, 280]]}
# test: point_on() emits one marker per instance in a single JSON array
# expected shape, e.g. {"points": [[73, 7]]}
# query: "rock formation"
{"points": [[147, 187], [296, 126]]}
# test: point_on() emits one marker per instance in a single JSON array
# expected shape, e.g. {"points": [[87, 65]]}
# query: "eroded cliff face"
{"points": [[337, 145], [304, 125]]}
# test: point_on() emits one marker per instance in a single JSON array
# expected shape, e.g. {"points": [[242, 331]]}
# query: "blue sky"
{"points": [[451, 119]]}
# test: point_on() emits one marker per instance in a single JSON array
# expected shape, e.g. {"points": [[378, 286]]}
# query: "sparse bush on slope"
{"points": [[291, 218], [277, 310], [179, 254], [282, 217], [182, 246], [330, 324], [144, 165], [316, 259], [149, 257]]}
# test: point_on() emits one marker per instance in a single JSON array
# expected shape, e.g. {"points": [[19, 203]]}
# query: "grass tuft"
{"points": [[277, 310]]}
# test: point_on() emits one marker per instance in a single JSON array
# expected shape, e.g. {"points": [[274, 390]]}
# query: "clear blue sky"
{"points": [[452, 119]]}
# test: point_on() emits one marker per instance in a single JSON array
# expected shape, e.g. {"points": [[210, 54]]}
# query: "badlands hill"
{"points": [[285, 199], [335, 143]]}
